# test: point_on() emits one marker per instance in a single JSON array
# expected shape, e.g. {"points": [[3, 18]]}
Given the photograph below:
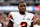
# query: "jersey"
{"points": [[0, 25], [21, 20], [36, 25]]}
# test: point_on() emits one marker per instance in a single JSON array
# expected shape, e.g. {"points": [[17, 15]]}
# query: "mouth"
{"points": [[39, 23]]}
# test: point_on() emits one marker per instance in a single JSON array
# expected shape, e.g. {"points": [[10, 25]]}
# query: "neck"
{"points": [[22, 13]]}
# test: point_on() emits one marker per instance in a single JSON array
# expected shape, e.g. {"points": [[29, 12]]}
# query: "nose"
{"points": [[23, 7]]}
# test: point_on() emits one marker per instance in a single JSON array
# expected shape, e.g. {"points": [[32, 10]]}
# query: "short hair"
{"points": [[21, 2]]}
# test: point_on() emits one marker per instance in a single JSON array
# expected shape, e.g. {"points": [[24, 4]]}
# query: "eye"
{"points": [[24, 6], [21, 6]]}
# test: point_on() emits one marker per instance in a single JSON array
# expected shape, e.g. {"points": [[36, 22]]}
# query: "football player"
{"points": [[37, 23], [21, 18]]}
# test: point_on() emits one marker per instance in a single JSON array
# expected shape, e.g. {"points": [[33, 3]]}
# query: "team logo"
{"points": [[28, 18]]}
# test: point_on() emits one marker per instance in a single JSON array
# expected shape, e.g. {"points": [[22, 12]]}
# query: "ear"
{"points": [[18, 7]]}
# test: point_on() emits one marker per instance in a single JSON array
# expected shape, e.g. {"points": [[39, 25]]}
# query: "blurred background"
{"points": [[6, 6]]}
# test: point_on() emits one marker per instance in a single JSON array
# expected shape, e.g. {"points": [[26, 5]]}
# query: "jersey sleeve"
{"points": [[33, 18], [10, 17]]}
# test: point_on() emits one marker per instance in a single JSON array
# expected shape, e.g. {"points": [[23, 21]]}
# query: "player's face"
{"points": [[22, 7], [38, 21]]}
